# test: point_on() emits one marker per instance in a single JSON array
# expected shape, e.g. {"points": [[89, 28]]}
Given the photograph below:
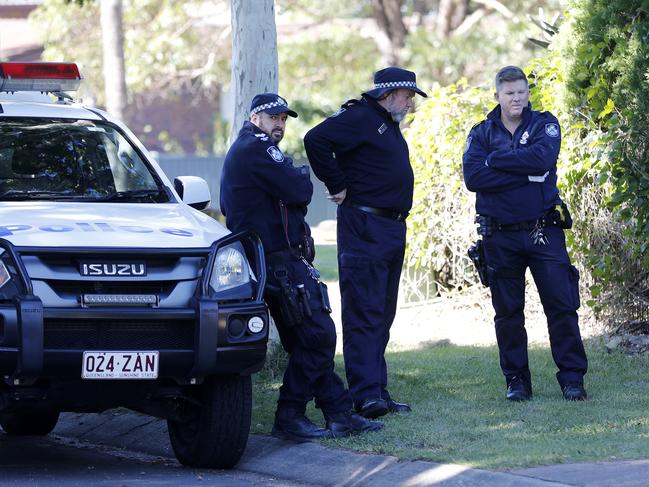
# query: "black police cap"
{"points": [[270, 103]]}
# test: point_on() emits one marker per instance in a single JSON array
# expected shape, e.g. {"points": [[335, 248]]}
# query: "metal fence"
{"points": [[209, 168]]}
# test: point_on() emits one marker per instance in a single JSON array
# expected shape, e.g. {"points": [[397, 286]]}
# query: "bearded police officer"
{"points": [[362, 157], [262, 191], [510, 161]]}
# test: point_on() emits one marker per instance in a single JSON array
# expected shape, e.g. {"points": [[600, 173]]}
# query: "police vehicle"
{"points": [[115, 290]]}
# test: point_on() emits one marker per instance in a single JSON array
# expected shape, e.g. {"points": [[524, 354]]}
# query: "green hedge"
{"points": [[595, 79], [441, 224]]}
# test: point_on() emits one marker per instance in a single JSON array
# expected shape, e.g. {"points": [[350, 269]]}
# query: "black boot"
{"points": [[398, 407], [373, 407], [348, 423], [295, 426], [519, 389]]}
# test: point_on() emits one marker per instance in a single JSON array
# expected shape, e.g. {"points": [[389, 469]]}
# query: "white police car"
{"points": [[115, 290]]}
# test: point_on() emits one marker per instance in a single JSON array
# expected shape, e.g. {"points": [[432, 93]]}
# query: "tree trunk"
{"points": [[450, 16], [254, 55], [387, 14], [113, 45]]}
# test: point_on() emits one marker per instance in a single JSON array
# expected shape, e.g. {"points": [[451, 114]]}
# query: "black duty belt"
{"points": [[281, 256], [526, 225], [384, 212]]}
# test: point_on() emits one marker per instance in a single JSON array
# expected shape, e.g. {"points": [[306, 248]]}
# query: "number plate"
{"points": [[120, 365]]}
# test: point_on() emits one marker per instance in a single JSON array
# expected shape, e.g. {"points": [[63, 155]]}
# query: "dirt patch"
{"points": [[460, 319], [632, 337]]}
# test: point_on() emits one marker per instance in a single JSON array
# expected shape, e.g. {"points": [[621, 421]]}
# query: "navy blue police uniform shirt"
{"points": [[361, 148], [497, 164], [256, 176]]}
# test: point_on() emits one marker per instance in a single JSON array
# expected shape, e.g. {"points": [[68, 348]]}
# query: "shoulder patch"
{"points": [[468, 144], [552, 130], [276, 154]]}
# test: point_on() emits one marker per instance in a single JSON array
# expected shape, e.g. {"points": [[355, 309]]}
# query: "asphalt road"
{"points": [[125, 449], [55, 461]]}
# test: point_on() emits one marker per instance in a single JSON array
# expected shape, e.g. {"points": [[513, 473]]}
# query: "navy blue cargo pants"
{"points": [[311, 346], [370, 257], [508, 254]]}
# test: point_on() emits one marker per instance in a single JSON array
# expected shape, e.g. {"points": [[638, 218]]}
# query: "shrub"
{"points": [[441, 223]]}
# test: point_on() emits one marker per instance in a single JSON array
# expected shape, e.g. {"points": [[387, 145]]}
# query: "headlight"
{"points": [[5, 277], [230, 269]]}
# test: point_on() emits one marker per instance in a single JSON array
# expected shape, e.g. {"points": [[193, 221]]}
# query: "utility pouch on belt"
{"points": [[477, 256], [561, 216], [307, 245], [324, 293], [485, 225]]}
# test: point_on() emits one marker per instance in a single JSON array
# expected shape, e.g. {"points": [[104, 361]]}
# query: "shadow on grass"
{"points": [[461, 415]]}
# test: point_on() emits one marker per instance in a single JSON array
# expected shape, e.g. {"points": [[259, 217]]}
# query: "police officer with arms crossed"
{"points": [[510, 163], [262, 191], [362, 157]]}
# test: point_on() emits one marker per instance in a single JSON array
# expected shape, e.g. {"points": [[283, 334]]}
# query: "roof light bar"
{"points": [[39, 77]]}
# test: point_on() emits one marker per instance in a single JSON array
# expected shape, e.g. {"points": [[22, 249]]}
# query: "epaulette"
{"points": [[479, 123], [350, 103]]}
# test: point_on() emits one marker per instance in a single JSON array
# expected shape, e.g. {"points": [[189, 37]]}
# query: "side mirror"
{"points": [[193, 190]]}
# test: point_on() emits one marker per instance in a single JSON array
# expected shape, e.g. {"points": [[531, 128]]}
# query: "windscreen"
{"points": [[72, 160]]}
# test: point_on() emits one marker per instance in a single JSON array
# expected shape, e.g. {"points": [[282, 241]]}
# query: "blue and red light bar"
{"points": [[44, 77]]}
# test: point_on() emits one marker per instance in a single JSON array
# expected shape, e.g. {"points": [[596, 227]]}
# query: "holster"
{"points": [[560, 216], [293, 299], [477, 256]]}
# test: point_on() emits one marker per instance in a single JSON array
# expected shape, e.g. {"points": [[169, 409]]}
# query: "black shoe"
{"points": [[300, 429], [373, 408], [518, 390], [574, 392], [398, 407], [349, 423]]}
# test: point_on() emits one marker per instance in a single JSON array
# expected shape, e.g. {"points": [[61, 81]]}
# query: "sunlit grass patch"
{"points": [[461, 415]]}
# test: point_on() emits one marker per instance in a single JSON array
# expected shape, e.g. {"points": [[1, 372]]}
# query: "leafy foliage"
{"points": [[441, 223], [608, 86], [169, 46], [316, 92], [610, 77], [602, 102], [476, 54]]}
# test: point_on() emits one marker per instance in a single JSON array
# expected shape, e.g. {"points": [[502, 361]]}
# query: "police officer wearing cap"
{"points": [[362, 157], [510, 162], [262, 191]]}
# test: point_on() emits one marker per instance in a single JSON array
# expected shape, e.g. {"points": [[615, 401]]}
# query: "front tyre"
{"points": [[216, 423], [35, 423]]}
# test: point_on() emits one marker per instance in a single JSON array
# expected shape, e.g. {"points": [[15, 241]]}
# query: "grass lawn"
{"points": [[461, 415], [326, 261]]}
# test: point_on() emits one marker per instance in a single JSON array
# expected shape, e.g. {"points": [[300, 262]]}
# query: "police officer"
{"points": [[510, 161], [362, 157], [262, 191]]}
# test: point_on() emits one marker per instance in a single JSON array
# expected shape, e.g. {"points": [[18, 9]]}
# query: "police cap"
{"points": [[270, 103], [393, 78]]}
